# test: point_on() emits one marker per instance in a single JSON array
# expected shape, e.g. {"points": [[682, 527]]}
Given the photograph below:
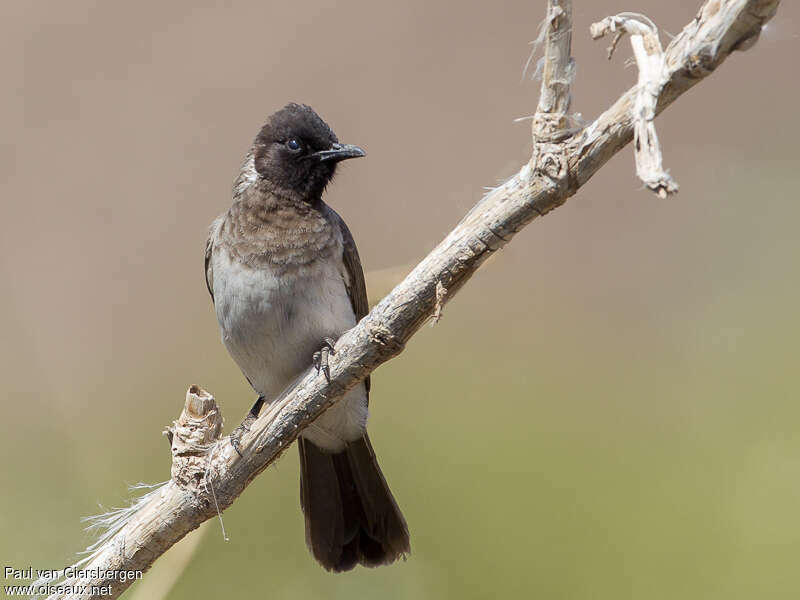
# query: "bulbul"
{"points": [[286, 281]]}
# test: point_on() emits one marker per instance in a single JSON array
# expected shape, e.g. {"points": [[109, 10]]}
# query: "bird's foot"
{"points": [[320, 357], [244, 426]]}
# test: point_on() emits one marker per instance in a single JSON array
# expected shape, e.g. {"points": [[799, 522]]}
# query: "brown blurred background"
{"points": [[608, 410]]}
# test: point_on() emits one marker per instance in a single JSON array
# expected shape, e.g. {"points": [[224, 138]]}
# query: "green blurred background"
{"points": [[608, 410]]}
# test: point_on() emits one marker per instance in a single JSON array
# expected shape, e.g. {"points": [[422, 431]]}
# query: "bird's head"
{"points": [[296, 152]]}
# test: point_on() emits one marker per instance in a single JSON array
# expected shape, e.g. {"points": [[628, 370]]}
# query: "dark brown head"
{"points": [[296, 152]]}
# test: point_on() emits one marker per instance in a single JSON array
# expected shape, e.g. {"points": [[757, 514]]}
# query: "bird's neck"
{"points": [[266, 226]]}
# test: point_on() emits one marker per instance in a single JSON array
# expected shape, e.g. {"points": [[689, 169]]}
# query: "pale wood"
{"points": [[209, 475], [650, 60]]}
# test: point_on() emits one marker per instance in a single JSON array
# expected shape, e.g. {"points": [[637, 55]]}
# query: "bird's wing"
{"points": [[354, 273], [356, 286], [212, 237]]}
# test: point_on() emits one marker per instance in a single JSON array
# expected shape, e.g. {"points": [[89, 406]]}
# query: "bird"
{"points": [[286, 281]]}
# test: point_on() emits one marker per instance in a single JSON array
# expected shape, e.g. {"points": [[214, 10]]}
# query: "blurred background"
{"points": [[608, 410]]}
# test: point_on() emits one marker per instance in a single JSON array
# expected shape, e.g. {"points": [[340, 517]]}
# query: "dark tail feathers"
{"points": [[351, 516]]}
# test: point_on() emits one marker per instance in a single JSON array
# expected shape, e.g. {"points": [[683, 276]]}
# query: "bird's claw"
{"points": [[236, 435], [320, 358], [234, 438]]}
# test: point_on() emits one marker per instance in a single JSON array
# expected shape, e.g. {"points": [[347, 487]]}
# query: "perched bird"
{"points": [[286, 281]]}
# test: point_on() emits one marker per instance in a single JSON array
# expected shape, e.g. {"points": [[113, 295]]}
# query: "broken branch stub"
{"points": [[192, 436]]}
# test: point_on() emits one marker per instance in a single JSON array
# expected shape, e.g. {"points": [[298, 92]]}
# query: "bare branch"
{"points": [[554, 99], [562, 162], [549, 127], [652, 77]]}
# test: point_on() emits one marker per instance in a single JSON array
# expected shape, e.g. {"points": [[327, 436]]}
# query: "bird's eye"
{"points": [[293, 145]]}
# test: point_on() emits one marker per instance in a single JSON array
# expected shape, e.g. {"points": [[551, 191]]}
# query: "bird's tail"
{"points": [[351, 516]]}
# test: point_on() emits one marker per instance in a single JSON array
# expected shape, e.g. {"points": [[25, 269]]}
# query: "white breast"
{"points": [[272, 325]]}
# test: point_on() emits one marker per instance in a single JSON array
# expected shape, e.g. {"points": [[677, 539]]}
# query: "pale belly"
{"points": [[272, 326]]}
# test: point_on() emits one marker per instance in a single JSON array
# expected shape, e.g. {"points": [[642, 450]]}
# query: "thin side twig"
{"points": [[653, 75], [549, 122]]}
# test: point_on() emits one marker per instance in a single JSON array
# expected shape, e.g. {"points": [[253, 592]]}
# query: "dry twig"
{"points": [[652, 77]]}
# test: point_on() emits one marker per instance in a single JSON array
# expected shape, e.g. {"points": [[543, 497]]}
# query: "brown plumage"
{"points": [[285, 275]]}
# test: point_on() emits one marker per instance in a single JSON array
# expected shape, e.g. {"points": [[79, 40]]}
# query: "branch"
{"points": [[208, 475], [652, 77]]}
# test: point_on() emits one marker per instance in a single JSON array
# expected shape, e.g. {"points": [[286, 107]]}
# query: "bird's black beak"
{"points": [[339, 152]]}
